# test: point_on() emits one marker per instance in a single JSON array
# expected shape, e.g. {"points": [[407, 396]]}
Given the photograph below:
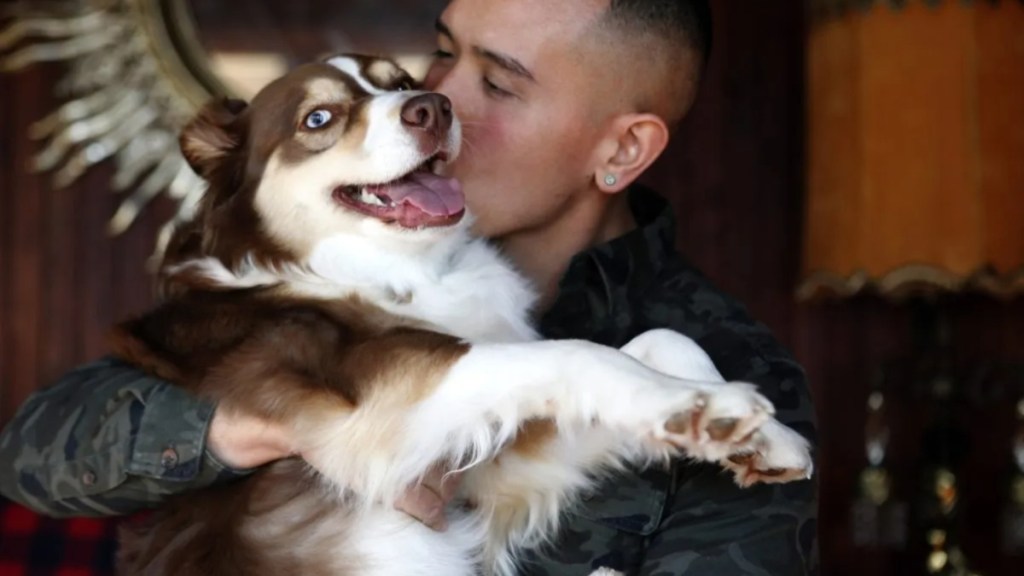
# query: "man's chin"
{"points": [[476, 226], [480, 225]]}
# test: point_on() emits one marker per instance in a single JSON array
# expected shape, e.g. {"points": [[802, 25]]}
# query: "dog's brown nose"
{"points": [[428, 112]]}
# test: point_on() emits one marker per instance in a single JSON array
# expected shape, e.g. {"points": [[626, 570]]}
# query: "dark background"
{"points": [[735, 175]]}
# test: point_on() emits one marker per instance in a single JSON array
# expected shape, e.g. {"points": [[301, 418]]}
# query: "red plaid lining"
{"points": [[34, 545]]}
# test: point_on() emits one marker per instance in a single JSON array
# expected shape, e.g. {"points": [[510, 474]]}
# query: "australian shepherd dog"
{"points": [[329, 283]]}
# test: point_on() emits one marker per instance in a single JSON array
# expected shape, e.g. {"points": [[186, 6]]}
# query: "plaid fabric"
{"points": [[34, 545]]}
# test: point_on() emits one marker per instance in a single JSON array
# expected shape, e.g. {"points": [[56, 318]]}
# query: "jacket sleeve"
{"points": [[711, 527], [107, 439]]}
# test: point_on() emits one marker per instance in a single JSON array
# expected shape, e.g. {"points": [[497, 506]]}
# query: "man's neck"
{"points": [[544, 254]]}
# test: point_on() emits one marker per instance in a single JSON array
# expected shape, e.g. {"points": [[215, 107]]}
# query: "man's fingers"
{"points": [[442, 482], [424, 504], [427, 500]]}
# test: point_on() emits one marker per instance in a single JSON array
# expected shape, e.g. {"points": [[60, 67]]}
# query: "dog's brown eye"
{"points": [[404, 85], [318, 119]]}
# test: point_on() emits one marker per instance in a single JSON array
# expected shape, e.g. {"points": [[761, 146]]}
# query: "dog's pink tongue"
{"points": [[427, 192]]}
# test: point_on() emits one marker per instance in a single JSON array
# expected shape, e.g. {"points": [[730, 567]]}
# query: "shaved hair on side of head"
{"points": [[682, 22], [666, 43]]}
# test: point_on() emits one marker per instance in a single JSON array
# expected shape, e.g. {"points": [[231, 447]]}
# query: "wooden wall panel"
{"points": [[63, 281], [8, 144]]}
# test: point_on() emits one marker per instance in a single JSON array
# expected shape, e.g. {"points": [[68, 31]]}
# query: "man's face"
{"points": [[519, 76]]}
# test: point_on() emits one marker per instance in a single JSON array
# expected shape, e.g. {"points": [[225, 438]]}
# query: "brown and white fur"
{"points": [[386, 349]]}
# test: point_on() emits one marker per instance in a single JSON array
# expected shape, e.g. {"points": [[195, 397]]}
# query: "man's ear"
{"points": [[213, 134], [631, 144]]}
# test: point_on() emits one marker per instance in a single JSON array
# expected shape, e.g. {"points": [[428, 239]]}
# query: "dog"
{"points": [[329, 282]]}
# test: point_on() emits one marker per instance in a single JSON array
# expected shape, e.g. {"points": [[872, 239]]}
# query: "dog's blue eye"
{"points": [[317, 119]]}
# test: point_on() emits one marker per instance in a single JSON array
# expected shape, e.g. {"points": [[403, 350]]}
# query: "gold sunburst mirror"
{"points": [[137, 70]]}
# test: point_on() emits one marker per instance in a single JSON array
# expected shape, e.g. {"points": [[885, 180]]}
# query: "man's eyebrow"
{"points": [[506, 62], [442, 28]]}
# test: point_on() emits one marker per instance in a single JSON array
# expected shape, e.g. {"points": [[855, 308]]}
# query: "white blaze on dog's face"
{"points": [[354, 151]]}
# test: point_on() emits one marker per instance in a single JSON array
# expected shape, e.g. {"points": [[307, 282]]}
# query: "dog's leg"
{"points": [[470, 409], [775, 453], [490, 391], [537, 403], [521, 494]]}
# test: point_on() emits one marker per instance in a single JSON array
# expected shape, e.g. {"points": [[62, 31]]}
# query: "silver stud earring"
{"points": [[610, 180]]}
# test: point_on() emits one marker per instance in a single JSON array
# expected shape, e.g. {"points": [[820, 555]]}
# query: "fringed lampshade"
{"points": [[916, 147]]}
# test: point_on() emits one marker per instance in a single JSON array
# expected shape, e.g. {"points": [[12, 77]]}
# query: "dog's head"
{"points": [[347, 145]]}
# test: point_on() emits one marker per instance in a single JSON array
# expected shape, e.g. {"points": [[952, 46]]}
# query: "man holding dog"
{"points": [[564, 104]]}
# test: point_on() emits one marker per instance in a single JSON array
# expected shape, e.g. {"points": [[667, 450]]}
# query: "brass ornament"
{"points": [[134, 76]]}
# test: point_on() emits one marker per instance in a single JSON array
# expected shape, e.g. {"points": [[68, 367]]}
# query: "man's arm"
{"points": [[107, 439]]}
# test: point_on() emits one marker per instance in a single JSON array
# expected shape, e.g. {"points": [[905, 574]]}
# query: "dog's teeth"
{"points": [[436, 166], [371, 199]]}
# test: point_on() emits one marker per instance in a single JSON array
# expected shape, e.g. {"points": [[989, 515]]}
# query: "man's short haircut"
{"points": [[672, 39], [682, 22]]}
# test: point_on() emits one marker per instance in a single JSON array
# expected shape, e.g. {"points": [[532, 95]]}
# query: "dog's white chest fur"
{"points": [[459, 285], [390, 543]]}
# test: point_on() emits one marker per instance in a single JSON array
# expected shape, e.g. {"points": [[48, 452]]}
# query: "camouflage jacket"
{"points": [[107, 439]]}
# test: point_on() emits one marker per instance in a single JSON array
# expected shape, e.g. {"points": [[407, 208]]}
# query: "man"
{"points": [[564, 105]]}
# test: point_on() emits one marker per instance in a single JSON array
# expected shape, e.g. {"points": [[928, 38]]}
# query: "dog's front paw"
{"points": [[606, 572], [775, 454], [715, 422], [749, 442]]}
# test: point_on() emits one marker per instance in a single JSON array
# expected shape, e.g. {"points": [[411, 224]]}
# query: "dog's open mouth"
{"points": [[422, 198]]}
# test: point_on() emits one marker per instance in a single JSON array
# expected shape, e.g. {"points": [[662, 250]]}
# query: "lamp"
{"points": [[915, 177], [915, 187]]}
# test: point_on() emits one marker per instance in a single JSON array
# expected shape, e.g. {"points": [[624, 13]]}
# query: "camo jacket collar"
{"points": [[598, 291]]}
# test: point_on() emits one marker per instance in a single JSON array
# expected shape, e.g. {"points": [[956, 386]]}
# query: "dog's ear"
{"points": [[212, 135]]}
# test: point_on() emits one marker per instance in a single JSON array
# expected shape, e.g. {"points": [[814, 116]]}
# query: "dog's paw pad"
{"points": [[721, 429], [682, 424], [776, 454], [751, 469], [717, 422]]}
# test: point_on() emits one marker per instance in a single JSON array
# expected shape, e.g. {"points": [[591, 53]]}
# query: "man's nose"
{"points": [[430, 112], [447, 81]]}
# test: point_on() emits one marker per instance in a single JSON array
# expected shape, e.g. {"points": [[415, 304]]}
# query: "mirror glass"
{"points": [[249, 44]]}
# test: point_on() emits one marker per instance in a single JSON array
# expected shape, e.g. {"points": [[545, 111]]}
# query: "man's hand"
{"points": [[243, 441], [427, 500]]}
